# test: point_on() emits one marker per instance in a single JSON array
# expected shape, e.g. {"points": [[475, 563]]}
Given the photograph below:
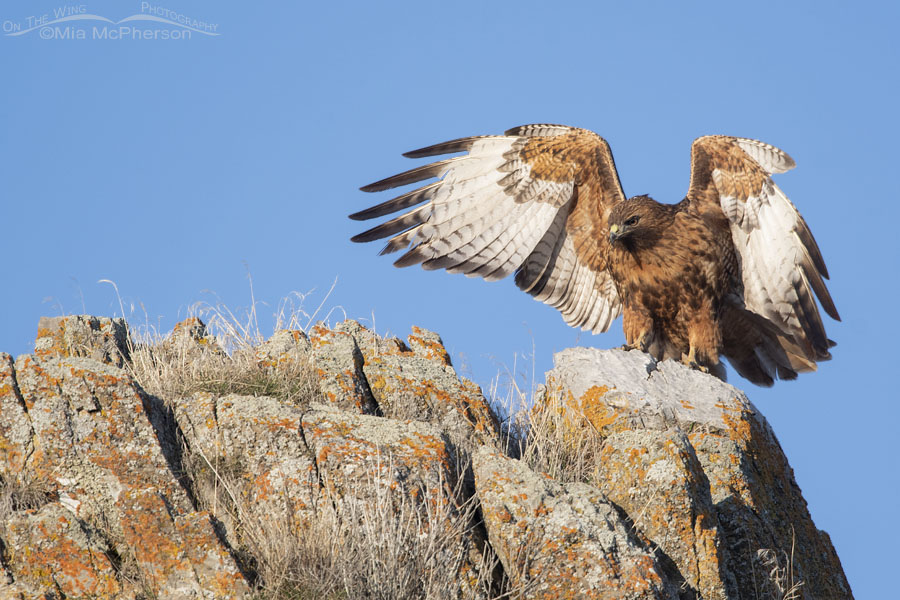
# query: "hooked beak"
{"points": [[614, 233]]}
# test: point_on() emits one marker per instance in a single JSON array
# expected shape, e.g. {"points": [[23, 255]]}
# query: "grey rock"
{"points": [[416, 381], [100, 338], [340, 368], [657, 479], [52, 549], [408, 467], [254, 446], [356, 453], [16, 433], [665, 392], [285, 344], [562, 540]]}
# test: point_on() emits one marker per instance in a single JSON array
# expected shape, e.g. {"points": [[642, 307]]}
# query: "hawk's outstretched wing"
{"points": [[781, 266], [534, 201]]}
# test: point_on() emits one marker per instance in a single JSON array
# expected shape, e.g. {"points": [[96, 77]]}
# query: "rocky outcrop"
{"points": [[388, 472], [699, 470]]}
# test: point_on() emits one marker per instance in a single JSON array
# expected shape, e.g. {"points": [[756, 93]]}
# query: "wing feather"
{"points": [[459, 145], [529, 201], [422, 173], [407, 200], [395, 225], [782, 270]]}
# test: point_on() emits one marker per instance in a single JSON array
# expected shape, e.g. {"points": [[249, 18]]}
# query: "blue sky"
{"points": [[177, 167]]}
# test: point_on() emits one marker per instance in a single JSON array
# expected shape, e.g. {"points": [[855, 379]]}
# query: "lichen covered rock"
{"points": [[355, 453], [339, 365], [562, 540], [100, 338], [415, 380], [54, 549], [699, 470], [656, 478], [285, 345], [97, 454], [255, 447], [16, 434]]}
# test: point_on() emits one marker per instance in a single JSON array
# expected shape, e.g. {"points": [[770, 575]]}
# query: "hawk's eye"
{"points": [[632, 221]]}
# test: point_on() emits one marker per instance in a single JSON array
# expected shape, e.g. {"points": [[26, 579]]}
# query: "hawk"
{"points": [[730, 271]]}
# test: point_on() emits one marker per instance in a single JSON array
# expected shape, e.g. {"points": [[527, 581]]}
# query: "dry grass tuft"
{"points": [[19, 494], [177, 370], [546, 431], [544, 428], [382, 544], [781, 583], [561, 441], [221, 358]]}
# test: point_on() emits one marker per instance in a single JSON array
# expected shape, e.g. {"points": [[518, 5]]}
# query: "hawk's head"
{"points": [[635, 219]]}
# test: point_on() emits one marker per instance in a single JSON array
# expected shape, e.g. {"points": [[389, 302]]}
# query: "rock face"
{"points": [[699, 470], [562, 540], [105, 500], [390, 480]]}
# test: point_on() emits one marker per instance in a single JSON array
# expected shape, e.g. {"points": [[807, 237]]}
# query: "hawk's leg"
{"points": [[690, 359], [704, 340], [638, 327]]}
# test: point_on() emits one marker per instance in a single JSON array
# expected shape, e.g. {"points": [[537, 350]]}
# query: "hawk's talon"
{"points": [[690, 362], [642, 345]]}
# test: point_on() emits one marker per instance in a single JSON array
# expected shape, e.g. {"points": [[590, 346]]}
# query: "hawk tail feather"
{"points": [[760, 352]]}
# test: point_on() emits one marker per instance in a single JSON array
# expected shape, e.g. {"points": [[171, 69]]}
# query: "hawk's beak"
{"points": [[614, 233]]}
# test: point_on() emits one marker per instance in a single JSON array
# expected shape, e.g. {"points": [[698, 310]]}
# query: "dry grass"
{"points": [[780, 583], [375, 543], [221, 358], [19, 494], [540, 427], [561, 441], [172, 369], [549, 434]]}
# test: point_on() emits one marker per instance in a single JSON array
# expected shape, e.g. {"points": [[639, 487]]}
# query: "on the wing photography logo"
{"points": [[76, 22]]}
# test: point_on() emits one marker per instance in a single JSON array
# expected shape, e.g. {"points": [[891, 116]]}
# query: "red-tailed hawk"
{"points": [[729, 271]]}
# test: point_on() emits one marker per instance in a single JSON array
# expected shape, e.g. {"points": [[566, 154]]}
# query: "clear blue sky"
{"points": [[175, 167]]}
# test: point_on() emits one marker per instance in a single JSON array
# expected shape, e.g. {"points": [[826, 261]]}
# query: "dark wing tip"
{"points": [[408, 199], [786, 374], [412, 176], [457, 145], [442, 148], [389, 228], [372, 187]]}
